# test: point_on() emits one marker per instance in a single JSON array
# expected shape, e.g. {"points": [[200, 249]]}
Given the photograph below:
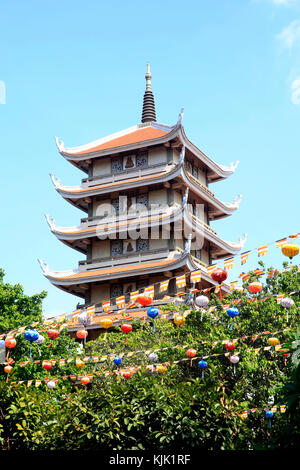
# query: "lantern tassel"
{"points": [[203, 374], [231, 325], [153, 326], [126, 340], [220, 294]]}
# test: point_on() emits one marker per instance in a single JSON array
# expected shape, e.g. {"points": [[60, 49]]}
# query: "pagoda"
{"points": [[146, 199]]}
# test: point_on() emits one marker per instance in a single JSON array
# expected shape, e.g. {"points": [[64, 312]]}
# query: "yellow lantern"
{"points": [[290, 250], [179, 320], [273, 341], [106, 323], [161, 369], [79, 363]]}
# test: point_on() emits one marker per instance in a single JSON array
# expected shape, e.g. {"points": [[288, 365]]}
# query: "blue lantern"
{"points": [[117, 360], [202, 364], [31, 335], [269, 416], [152, 312], [232, 312]]}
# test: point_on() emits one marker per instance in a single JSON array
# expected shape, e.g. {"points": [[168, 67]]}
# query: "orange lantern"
{"points": [[81, 334], [10, 343], [290, 250], [106, 323], [273, 341], [8, 369], [53, 334], [85, 380], [255, 287], [144, 299]]}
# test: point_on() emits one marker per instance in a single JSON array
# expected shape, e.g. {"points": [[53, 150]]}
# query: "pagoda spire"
{"points": [[148, 113]]}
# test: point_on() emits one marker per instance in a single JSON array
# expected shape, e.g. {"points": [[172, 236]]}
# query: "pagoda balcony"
{"points": [[120, 176], [127, 259]]}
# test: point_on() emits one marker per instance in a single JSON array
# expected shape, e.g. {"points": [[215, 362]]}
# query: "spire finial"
{"points": [[148, 113]]}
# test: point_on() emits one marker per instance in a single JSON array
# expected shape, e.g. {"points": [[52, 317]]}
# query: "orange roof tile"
{"points": [[140, 135], [117, 269]]}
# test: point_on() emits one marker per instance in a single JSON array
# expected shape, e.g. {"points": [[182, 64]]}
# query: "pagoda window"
{"points": [[142, 244], [142, 160], [116, 165], [143, 199], [198, 254], [195, 172], [116, 290], [129, 162], [116, 247]]}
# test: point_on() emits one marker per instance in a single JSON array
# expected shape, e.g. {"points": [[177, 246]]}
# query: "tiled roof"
{"points": [[139, 135]]}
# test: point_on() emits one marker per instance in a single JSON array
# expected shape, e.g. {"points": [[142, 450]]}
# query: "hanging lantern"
{"points": [[106, 323], [255, 287], [219, 276], [179, 320], [232, 312], [40, 339], [290, 250], [230, 346], [191, 353], [202, 301], [127, 374], [85, 380], [47, 365], [144, 300], [269, 416], [126, 328], [10, 343], [161, 369], [287, 303], [202, 364], [8, 369], [117, 360], [31, 335], [51, 384], [81, 334], [273, 341], [152, 312], [234, 360], [53, 334], [79, 363], [153, 357]]}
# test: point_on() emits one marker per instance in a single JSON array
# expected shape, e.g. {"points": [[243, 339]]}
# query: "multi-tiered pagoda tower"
{"points": [[153, 167]]}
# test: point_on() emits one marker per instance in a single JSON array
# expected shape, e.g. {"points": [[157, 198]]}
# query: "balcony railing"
{"points": [[124, 259], [124, 174]]}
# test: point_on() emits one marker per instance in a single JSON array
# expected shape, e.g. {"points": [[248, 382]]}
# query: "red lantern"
{"points": [[81, 334], [144, 300], [230, 346], [127, 374], [85, 380], [10, 343], [126, 328], [191, 353], [53, 334], [219, 276], [255, 287], [47, 365]]}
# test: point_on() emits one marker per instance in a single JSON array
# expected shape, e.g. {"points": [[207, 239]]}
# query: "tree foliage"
{"points": [[180, 409]]}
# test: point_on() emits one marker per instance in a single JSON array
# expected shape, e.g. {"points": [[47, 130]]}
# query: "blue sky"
{"points": [[76, 70]]}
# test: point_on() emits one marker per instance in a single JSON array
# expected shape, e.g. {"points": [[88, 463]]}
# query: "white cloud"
{"points": [[296, 94], [291, 34]]}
